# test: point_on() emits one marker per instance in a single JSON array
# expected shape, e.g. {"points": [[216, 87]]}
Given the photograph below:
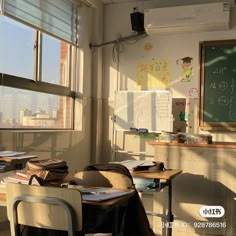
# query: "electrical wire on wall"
{"points": [[119, 45], [118, 48], [135, 37]]}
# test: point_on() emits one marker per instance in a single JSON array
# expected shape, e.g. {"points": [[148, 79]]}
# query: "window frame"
{"points": [[37, 85]]}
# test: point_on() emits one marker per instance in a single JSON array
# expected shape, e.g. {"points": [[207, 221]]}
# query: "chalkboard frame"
{"points": [[203, 124]]}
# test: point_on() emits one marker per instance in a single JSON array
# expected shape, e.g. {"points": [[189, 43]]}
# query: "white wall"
{"points": [[121, 73]]}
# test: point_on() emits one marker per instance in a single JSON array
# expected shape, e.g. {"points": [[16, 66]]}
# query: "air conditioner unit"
{"points": [[200, 17]]}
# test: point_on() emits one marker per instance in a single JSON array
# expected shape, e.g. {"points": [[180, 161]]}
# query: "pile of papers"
{"points": [[136, 165], [12, 155], [133, 164], [98, 194], [15, 178]]}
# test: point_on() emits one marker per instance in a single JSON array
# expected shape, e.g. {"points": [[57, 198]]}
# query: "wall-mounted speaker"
{"points": [[137, 21]]}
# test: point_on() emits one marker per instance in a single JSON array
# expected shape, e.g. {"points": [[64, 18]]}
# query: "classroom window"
{"points": [[55, 61], [35, 79]]}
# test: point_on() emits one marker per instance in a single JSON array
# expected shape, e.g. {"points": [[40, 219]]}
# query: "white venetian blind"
{"points": [[56, 17]]}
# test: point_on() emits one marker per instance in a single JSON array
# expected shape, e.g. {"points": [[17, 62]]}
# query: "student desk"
{"points": [[167, 175], [114, 215], [92, 207]]}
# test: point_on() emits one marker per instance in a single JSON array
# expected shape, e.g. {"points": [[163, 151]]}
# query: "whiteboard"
{"points": [[143, 109]]}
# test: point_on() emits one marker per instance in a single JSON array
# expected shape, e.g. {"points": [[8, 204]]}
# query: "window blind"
{"points": [[58, 18]]}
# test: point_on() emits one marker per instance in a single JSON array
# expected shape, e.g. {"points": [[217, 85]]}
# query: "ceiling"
{"points": [[165, 2], [121, 1]]}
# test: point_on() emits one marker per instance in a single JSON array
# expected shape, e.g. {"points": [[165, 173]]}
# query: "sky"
{"points": [[16, 58]]}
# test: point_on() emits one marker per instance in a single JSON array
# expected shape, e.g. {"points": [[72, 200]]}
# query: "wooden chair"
{"points": [[44, 207], [110, 175], [132, 219]]}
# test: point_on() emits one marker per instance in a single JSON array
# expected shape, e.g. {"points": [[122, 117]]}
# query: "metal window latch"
{"points": [[113, 118]]}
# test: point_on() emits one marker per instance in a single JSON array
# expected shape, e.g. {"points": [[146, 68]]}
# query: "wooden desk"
{"points": [[167, 175], [225, 145], [104, 203], [106, 216]]}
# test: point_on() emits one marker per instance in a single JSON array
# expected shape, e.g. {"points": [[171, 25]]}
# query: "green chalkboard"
{"points": [[218, 84]]}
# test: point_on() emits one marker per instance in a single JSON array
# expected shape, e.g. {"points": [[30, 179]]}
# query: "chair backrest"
{"points": [[113, 167], [111, 175], [44, 207]]}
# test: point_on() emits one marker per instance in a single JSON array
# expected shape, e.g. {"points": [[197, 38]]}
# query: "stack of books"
{"points": [[11, 160], [48, 169]]}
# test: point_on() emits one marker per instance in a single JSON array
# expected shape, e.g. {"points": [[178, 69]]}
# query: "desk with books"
{"points": [[165, 175], [114, 215], [153, 176], [168, 176]]}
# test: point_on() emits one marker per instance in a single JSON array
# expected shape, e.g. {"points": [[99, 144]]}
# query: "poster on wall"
{"points": [[186, 64], [153, 74]]}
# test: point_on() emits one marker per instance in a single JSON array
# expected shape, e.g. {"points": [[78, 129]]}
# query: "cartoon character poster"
{"points": [[186, 64]]}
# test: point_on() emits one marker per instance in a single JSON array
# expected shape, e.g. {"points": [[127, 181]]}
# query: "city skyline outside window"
{"points": [[26, 108]]}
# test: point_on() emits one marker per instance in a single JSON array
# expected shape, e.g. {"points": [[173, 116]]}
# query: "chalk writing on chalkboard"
{"points": [[218, 84]]}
